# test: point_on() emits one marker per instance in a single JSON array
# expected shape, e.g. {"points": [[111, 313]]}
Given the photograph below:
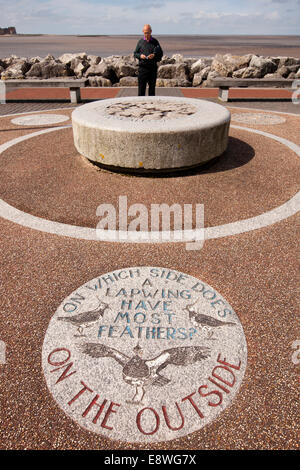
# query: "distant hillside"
{"points": [[9, 30]]}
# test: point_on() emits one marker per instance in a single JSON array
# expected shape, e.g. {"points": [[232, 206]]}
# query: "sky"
{"points": [[278, 17]]}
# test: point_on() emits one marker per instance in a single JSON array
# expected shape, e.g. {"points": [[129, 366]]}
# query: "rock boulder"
{"points": [[262, 65], [173, 71], [99, 82], [226, 64], [16, 70], [128, 81]]}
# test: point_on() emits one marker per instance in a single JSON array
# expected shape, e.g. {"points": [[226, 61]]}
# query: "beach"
{"points": [[187, 45]]}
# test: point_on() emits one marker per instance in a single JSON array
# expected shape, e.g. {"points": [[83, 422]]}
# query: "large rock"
{"points": [[189, 61], [49, 68], [7, 61], [239, 73], [263, 65], [78, 62], [124, 69], [226, 64], [104, 69], [178, 58], [35, 60], [68, 57], [252, 72], [200, 76], [287, 61], [198, 65], [167, 60], [17, 70], [99, 81], [294, 68], [183, 82], [128, 81], [49, 58], [179, 71], [93, 59], [172, 82], [130, 60], [272, 75], [79, 66], [282, 71], [212, 74]]}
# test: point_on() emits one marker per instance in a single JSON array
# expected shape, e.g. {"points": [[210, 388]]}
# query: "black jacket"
{"points": [[147, 48]]}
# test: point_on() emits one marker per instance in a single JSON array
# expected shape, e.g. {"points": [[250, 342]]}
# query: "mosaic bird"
{"points": [[86, 319], [206, 322], [142, 373]]}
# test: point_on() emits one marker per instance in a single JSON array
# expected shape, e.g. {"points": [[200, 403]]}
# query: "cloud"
{"points": [[166, 17]]}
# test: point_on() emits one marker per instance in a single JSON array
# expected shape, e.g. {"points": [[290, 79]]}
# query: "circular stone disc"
{"points": [[144, 354], [39, 119], [258, 118], [151, 133]]}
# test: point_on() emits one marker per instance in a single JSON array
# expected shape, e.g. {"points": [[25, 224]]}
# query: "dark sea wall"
{"points": [[172, 71]]}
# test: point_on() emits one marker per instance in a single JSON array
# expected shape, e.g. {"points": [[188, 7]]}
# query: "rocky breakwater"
{"points": [[175, 71]]}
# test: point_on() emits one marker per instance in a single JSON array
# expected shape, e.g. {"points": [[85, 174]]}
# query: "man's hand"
{"points": [[151, 56], [143, 56]]}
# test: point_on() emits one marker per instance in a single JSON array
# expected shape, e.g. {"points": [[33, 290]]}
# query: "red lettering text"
{"points": [[213, 392], [138, 421], [217, 376], [84, 389], [108, 413], [164, 409], [189, 398], [227, 363], [94, 403]]}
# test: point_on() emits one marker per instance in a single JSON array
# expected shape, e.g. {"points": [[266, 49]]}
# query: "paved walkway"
{"points": [[246, 397]]}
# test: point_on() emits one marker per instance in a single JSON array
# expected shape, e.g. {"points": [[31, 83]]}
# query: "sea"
{"points": [[196, 46]]}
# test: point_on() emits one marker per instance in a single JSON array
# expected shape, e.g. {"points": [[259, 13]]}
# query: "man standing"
{"points": [[148, 52]]}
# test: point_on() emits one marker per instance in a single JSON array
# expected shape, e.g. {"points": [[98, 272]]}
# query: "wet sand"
{"points": [[193, 46]]}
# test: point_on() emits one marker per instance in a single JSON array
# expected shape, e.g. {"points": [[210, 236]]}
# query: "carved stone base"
{"points": [[151, 133]]}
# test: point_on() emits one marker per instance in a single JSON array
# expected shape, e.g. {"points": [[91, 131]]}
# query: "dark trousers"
{"points": [[145, 77]]}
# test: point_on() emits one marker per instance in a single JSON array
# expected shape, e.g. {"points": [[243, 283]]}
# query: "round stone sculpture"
{"points": [[151, 133]]}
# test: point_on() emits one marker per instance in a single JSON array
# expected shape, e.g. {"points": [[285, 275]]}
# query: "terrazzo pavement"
{"points": [[257, 272]]}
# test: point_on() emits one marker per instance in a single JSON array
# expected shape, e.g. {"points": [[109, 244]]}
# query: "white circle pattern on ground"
{"points": [[40, 119], [257, 118], [289, 208], [144, 354]]}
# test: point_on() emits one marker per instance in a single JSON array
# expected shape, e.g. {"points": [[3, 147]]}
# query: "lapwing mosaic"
{"points": [[144, 354]]}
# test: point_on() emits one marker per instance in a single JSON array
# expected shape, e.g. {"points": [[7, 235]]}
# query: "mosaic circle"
{"points": [[144, 354], [39, 119], [150, 110], [257, 118]]}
